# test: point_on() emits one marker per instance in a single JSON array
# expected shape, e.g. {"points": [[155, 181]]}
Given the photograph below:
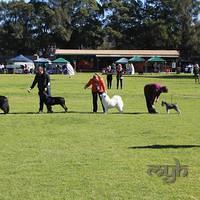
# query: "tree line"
{"points": [[40, 26]]}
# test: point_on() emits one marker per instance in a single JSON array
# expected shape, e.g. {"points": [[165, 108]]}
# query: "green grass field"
{"points": [[82, 156]]}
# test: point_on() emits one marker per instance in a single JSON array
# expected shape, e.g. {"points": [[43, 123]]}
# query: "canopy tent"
{"points": [[122, 61], [43, 61], [19, 64], [136, 59], [60, 61], [156, 59], [21, 58], [157, 64], [58, 66]]}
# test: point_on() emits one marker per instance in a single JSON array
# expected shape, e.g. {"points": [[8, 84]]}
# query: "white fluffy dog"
{"points": [[115, 101]]}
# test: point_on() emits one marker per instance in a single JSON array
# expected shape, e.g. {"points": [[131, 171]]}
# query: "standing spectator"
{"points": [[152, 93], [42, 79], [119, 75], [196, 72], [109, 73], [1, 68], [98, 87]]}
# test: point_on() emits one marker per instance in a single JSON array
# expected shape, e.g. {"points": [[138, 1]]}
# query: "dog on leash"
{"points": [[115, 101], [171, 106], [4, 105], [51, 101]]}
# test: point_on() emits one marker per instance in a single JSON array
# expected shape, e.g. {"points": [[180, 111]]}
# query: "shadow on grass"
{"points": [[84, 113], [133, 113], [30, 113], [36, 113], [113, 113], [168, 146]]}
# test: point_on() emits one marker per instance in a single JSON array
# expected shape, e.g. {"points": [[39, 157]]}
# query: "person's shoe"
{"points": [[154, 112], [50, 111], [40, 112]]}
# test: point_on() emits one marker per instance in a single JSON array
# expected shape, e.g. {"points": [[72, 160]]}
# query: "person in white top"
{"points": [[1, 68]]}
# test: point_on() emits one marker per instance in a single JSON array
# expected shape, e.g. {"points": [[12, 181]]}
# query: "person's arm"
{"points": [[48, 83], [157, 95], [34, 83], [88, 84]]}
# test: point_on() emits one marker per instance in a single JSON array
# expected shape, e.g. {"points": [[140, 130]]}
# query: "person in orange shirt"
{"points": [[98, 87]]}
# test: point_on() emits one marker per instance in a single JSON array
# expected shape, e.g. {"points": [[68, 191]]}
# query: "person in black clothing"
{"points": [[196, 72], [109, 73], [119, 75], [42, 80]]}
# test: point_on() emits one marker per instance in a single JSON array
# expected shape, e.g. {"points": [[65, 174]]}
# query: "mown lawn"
{"points": [[80, 155]]}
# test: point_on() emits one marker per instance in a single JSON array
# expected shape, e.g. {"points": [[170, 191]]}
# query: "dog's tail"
{"points": [[122, 105]]}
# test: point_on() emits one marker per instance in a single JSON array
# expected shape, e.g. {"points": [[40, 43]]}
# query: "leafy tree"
{"points": [[187, 16], [87, 31], [126, 24], [123, 22], [15, 25], [62, 17]]}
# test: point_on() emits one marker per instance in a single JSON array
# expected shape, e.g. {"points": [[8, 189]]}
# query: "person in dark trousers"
{"points": [[98, 87], [119, 76], [109, 73], [152, 93], [196, 72], [42, 80]]}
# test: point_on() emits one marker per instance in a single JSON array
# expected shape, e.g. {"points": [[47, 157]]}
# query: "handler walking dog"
{"points": [[42, 80], [98, 87], [152, 93]]}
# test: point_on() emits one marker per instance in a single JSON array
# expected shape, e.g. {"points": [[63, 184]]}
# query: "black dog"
{"points": [[51, 101], [171, 106], [4, 105]]}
